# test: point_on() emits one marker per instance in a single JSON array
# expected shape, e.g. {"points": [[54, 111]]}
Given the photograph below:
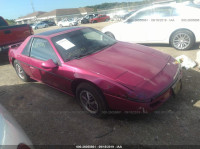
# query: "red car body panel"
{"points": [[131, 77], [100, 18], [13, 34]]}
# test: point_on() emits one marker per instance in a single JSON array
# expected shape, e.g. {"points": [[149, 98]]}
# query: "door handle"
{"points": [[7, 32]]}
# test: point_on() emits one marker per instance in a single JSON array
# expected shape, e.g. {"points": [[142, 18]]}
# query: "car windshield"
{"points": [[80, 43], [70, 20], [87, 17]]}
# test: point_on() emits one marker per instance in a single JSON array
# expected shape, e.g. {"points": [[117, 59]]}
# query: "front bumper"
{"points": [[122, 104]]}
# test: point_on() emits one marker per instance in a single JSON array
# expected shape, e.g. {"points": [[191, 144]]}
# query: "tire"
{"points": [[97, 103], [110, 34], [107, 20], [36, 28], [182, 40], [20, 72], [70, 25], [94, 21], [60, 25]]}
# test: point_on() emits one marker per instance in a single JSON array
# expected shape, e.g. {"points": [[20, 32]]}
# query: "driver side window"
{"points": [[141, 15], [42, 50]]}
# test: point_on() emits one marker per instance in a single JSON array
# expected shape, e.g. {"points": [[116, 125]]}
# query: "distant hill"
{"points": [[117, 5], [104, 6]]}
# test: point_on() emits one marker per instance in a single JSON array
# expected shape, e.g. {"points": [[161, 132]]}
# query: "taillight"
{"points": [[31, 30], [23, 146]]}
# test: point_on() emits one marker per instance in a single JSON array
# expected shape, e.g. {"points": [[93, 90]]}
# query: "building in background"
{"points": [[55, 15], [30, 18]]}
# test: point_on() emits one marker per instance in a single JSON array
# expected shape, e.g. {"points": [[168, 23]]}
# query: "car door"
{"points": [[161, 24], [39, 25], [24, 57], [41, 51], [135, 29], [42, 25], [102, 17]]}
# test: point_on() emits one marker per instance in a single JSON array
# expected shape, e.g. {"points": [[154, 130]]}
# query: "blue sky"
{"points": [[12, 9]]}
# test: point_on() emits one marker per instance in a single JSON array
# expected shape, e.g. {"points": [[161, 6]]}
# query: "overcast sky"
{"points": [[12, 9]]}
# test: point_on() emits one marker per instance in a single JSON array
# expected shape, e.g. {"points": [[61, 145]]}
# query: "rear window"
{"points": [[2, 22]]}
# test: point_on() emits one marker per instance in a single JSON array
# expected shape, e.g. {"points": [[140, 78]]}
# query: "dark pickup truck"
{"points": [[12, 34]]}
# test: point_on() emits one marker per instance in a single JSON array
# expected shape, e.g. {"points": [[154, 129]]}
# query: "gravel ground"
{"points": [[50, 117]]}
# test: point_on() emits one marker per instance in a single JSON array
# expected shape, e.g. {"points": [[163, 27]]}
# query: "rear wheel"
{"points": [[91, 99], [182, 40], [60, 25], [20, 72], [70, 24], [94, 21]]}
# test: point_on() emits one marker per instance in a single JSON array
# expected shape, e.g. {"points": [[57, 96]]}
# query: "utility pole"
{"points": [[32, 5]]}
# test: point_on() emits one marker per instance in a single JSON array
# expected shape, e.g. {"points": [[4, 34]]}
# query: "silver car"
{"points": [[39, 25]]}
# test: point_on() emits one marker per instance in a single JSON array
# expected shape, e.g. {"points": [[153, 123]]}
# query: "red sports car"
{"points": [[102, 73]]}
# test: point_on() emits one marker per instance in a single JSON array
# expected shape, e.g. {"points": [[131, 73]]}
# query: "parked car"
{"points": [[100, 18], [67, 22], [12, 34], [50, 23], [39, 25], [87, 18], [11, 135], [100, 72], [173, 24]]}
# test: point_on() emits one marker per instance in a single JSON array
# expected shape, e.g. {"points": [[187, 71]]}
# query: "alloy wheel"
{"points": [[181, 41], [88, 101], [20, 71]]}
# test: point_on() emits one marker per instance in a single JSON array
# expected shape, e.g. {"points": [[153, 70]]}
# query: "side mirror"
{"points": [[49, 64]]}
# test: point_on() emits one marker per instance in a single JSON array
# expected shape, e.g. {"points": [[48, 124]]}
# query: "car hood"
{"points": [[126, 63]]}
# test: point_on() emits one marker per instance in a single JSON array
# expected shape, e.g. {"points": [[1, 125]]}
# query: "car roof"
{"points": [[172, 4], [58, 31]]}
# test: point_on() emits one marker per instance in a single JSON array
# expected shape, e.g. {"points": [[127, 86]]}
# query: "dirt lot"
{"points": [[51, 117]]}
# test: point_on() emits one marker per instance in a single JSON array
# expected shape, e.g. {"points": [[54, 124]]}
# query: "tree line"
{"points": [[113, 5]]}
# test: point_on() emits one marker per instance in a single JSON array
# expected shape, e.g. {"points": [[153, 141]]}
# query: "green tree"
{"points": [[10, 22]]}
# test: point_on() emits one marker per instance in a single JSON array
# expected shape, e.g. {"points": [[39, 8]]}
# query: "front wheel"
{"points": [[182, 40], [91, 100], [20, 72]]}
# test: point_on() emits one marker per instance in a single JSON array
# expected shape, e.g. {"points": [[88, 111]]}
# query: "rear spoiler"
{"points": [[15, 45]]}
